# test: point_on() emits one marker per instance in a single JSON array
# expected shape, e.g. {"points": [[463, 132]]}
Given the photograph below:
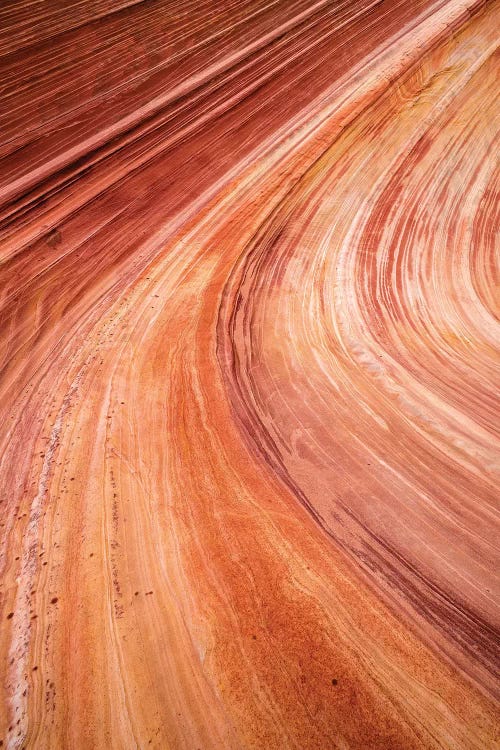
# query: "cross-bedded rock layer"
{"points": [[249, 405]]}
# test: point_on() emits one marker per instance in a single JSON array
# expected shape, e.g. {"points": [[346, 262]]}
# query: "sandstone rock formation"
{"points": [[249, 374]]}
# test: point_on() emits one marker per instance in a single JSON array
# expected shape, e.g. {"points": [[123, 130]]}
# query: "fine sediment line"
{"points": [[249, 445]]}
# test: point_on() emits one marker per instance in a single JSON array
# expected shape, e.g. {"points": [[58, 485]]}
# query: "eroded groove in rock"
{"points": [[249, 374]]}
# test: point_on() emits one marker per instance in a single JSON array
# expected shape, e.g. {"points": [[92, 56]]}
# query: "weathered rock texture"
{"points": [[249, 374]]}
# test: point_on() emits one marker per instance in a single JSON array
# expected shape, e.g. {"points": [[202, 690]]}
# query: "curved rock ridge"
{"points": [[249, 374]]}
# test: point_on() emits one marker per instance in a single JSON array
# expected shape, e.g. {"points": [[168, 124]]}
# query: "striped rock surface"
{"points": [[249, 374]]}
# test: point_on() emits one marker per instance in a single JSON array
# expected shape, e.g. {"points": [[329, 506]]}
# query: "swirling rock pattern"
{"points": [[249, 374]]}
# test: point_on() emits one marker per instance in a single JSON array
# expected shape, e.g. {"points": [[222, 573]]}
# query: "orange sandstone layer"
{"points": [[249, 307]]}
